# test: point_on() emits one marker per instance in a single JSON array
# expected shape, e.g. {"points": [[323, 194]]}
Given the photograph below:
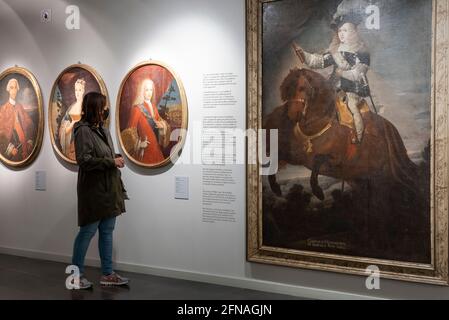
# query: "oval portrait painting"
{"points": [[151, 115], [65, 106], [21, 117]]}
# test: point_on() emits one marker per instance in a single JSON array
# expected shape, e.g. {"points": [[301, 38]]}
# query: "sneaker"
{"points": [[113, 280], [83, 284]]}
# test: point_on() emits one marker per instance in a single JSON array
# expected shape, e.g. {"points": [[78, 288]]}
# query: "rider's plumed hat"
{"points": [[350, 17]]}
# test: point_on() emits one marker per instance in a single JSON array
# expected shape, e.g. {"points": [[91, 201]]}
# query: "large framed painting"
{"points": [[151, 115], [65, 106], [21, 117], [350, 171]]}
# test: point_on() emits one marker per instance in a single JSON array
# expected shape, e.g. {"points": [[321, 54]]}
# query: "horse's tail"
{"points": [[404, 170]]}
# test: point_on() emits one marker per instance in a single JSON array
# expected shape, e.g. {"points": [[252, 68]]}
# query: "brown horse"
{"points": [[311, 135]]}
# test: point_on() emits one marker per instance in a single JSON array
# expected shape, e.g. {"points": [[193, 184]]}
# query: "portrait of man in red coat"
{"points": [[152, 114], [16, 126], [152, 129]]}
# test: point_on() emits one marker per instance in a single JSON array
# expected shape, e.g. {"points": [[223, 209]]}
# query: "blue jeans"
{"points": [[105, 228]]}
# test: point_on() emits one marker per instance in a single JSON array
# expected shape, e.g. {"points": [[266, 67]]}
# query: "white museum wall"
{"points": [[158, 234]]}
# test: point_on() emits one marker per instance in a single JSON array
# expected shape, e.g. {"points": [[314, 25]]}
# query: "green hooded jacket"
{"points": [[100, 189]]}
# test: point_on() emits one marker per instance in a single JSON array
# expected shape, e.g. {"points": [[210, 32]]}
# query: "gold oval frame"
{"points": [[103, 90], [184, 109], [40, 129]]}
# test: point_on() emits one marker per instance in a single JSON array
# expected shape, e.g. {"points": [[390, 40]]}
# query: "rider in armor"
{"points": [[351, 60]]}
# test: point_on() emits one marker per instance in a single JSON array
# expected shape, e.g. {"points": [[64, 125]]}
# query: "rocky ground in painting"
{"points": [[386, 223]]}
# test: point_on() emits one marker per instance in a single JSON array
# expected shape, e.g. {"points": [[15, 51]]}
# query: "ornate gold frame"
{"points": [[40, 133], [103, 89], [184, 125], [434, 273]]}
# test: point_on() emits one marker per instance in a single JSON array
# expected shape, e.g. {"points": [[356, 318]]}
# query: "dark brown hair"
{"points": [[93, 105]]}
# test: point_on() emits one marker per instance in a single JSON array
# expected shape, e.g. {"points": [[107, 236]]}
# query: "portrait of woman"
{"points": [[72, 116], [65, 106], [21, 117], [151, 105]]}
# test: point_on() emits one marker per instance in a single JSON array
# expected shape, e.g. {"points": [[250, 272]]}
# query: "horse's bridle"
{"points": [[308, 138], [312, 95], [297, 130], [298, 100], [302, 101]]}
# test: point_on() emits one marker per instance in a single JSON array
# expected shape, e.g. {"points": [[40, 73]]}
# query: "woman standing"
{"points": [[100, 189]]}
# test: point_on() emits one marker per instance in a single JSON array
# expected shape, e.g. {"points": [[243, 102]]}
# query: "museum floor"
{"points": [[24, 278]]}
